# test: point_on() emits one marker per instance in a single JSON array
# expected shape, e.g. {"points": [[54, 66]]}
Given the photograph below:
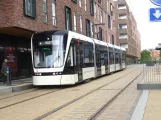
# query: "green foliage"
{"points": [[145, 56]]}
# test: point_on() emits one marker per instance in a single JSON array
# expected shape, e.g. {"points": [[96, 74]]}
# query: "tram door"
{"points": [[106, 63], [120, 60], [78, 58], [98, 60]]}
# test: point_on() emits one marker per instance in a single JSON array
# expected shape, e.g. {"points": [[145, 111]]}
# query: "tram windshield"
{"points": [[49, 50]]}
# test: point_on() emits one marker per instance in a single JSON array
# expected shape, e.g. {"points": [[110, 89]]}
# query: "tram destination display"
{"points": [[45, 43]]}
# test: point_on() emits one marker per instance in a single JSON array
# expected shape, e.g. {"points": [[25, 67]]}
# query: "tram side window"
{"points": [[88, 59], [77, 52], [102, 59], [106, 59], [123, 57], [98, 55], [116, 58], [70, 57], [103, 51], [111, 58], [36, 58]]}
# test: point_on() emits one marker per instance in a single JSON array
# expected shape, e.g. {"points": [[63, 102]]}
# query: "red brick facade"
{"points": [[106, 9], [12, 15], [155, 54]]}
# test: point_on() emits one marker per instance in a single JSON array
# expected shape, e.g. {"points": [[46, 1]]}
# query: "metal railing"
{"points": [[152, 72]]}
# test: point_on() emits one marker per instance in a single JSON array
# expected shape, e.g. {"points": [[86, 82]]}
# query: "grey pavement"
{"points": [[16, 85]]}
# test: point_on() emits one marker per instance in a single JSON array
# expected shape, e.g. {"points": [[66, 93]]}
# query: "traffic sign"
{"points": [[156, 2], [155, 14]]}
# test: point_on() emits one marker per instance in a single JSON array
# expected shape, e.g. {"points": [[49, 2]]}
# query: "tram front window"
{"points": [[49, 52]]}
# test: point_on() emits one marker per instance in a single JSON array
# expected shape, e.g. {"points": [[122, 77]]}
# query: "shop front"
{"points": [[18, 52]]}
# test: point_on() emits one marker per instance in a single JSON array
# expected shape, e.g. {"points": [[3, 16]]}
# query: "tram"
{"points": [[66, 58]]}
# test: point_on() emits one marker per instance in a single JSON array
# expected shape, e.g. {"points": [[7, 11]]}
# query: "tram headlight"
{"points": [[38, 74]]}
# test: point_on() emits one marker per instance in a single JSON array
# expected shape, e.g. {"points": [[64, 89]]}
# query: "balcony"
{"points": [[123, 31], [123, 41], [122, 21], [122, 11]]}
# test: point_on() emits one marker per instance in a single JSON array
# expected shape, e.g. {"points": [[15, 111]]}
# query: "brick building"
{"points": [[127, 34], [155, 54], [104, 13], [19, 19]]}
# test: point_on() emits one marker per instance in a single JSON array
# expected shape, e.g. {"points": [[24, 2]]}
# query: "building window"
{"points": [[75, 22], [80, 3], [44, 11], [123, 36], [30, 8], [92, 7], [107, 5], [112, 24], [109, 21], [91, 25], [85, 3], [54, 12], [88, 28], [95, 10], [75, 1], [81, 24], [100, 1], [113, 41], [122, 16], [68, 21], [100, 34], [95, 31], [109, 37], [101, 16], [111, 7], [98, 13]]}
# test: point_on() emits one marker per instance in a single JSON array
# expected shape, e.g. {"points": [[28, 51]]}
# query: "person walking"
{"points": [[3, 70]]}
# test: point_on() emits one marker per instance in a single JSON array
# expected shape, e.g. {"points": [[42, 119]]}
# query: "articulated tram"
{"points": [[66, 58]]}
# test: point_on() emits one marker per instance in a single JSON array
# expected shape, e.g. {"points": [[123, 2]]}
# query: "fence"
{"points": [[152, 72]]}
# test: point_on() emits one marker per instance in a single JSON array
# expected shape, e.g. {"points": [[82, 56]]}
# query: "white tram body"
{"points": [[66, 58]]}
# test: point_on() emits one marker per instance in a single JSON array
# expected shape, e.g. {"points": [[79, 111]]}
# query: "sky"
{"points": [[150, 31]]}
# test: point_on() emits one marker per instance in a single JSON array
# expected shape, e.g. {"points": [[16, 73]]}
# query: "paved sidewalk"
{"points": [[16, 85], [153, 107], [149, 106]]}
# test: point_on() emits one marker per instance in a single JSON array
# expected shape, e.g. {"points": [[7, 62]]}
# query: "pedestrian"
{"points": [[3, 70]]}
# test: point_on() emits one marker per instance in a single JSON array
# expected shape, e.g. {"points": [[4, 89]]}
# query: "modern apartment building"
{"points": [[127, 34]]}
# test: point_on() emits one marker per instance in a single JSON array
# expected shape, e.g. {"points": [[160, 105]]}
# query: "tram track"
{"points": [[102, 109], [81, 97], [18, 94], [30, 98], [58, 99], [36, 96], [10, 96]]}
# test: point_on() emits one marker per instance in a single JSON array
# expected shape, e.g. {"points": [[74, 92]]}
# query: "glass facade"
{"points": [[18, 52]]}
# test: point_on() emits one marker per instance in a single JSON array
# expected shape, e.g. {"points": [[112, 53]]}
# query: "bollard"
{"points": [[8, 76]]}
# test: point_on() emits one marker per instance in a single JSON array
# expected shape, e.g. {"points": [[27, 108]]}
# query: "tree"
{"points": [[145, 56]]}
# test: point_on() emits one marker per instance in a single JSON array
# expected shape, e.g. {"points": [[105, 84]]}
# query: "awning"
{"points": [[16, 31]]}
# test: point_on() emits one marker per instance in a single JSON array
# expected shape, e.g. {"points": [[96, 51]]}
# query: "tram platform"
{"points": [[148, 106], [16, 85]]}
